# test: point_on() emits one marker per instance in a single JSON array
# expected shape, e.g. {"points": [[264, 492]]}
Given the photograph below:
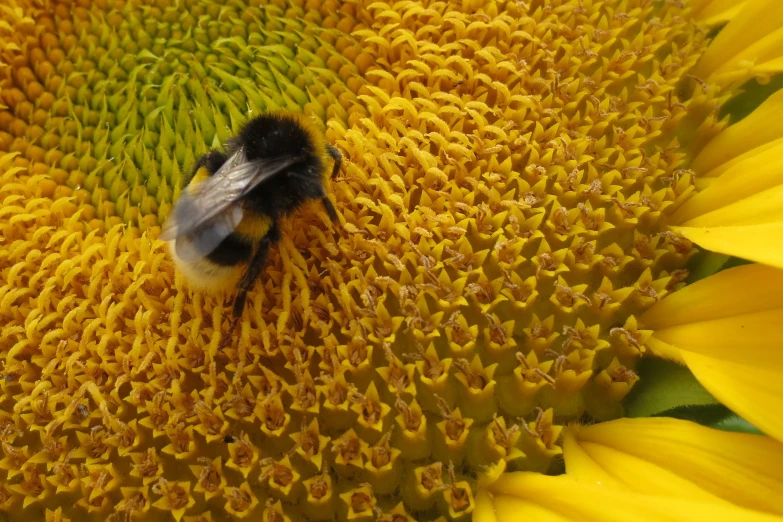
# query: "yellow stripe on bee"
{"points": [[201, 175], [253, 227]]}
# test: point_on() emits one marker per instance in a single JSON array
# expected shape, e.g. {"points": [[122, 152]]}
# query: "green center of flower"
{"points": [[510, 169]]}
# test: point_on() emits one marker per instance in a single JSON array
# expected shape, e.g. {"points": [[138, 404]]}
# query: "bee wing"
{"points": [[197, 208], [206, 238]]}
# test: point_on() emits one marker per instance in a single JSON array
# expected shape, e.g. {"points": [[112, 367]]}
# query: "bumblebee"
{"points": [[227, 216]]}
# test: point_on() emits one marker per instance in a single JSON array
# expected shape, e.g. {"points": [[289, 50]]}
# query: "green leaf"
{"points": [[736, 423], [705, 264], [664, 387], [752, 95], [707, 415]]}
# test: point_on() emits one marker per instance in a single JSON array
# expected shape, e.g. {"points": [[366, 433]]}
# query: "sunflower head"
{"points": [[523, 186]]}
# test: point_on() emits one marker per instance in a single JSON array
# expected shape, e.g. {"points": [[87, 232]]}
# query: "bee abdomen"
{"points": [[232, 251]]}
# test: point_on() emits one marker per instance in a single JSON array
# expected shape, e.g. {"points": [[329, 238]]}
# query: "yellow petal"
{"points": [[755, 59], [761, 208], [762, 70], [582, 466], [727, 330], [752, 153], [716, 297], [595, 464], [484, 511], [665, 350], [756, 20], [762, 243], [716, 12], [512, 509], [677, 458], [761, 126], [753, 391], [751, 176], [524, 496]]}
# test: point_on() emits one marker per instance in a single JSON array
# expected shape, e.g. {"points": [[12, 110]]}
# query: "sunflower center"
{"points": [[510, 169]]}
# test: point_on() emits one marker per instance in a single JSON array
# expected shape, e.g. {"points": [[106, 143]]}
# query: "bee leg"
{"points": [[337, 157], [327, 203], [249, 278]]}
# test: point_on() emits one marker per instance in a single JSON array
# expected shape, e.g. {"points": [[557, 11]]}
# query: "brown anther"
{"points": [[64, 472], [539, 428], [483, 292], [459, 260], [32, 484], [681, 244], [412, 422], [272, 515], [459, 334], [460, 498], [540, 331], [305, 388], [631, 338], [645, 122], [560, 221], [238, 499], [320, 312], [475, 380], [546, 262], [432, 476], [583, 252], [243, 405], [398, 378], [455, 426], [677, 277], [704, 86], [8, 430], [336, 392], [362, 501], [243, 455], [309, 440], [536, 371], [281, 475], [209, 478], [648, 291], [573, 335], [567, 297], [497, 333], [603, 299], [180, 438], [371, 410], [623, 374], [95, 444], [502, 434], [625, 207], [319, 488], [149, 464], [348, 447], [523, 360], [175, 494], [428, 262], [131, 505], [50, 444], [560, 361], [671, 106], [594, 188], [381, 452]]}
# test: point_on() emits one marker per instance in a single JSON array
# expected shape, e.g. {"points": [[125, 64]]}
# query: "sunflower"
{"points": [[553, 294]]}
